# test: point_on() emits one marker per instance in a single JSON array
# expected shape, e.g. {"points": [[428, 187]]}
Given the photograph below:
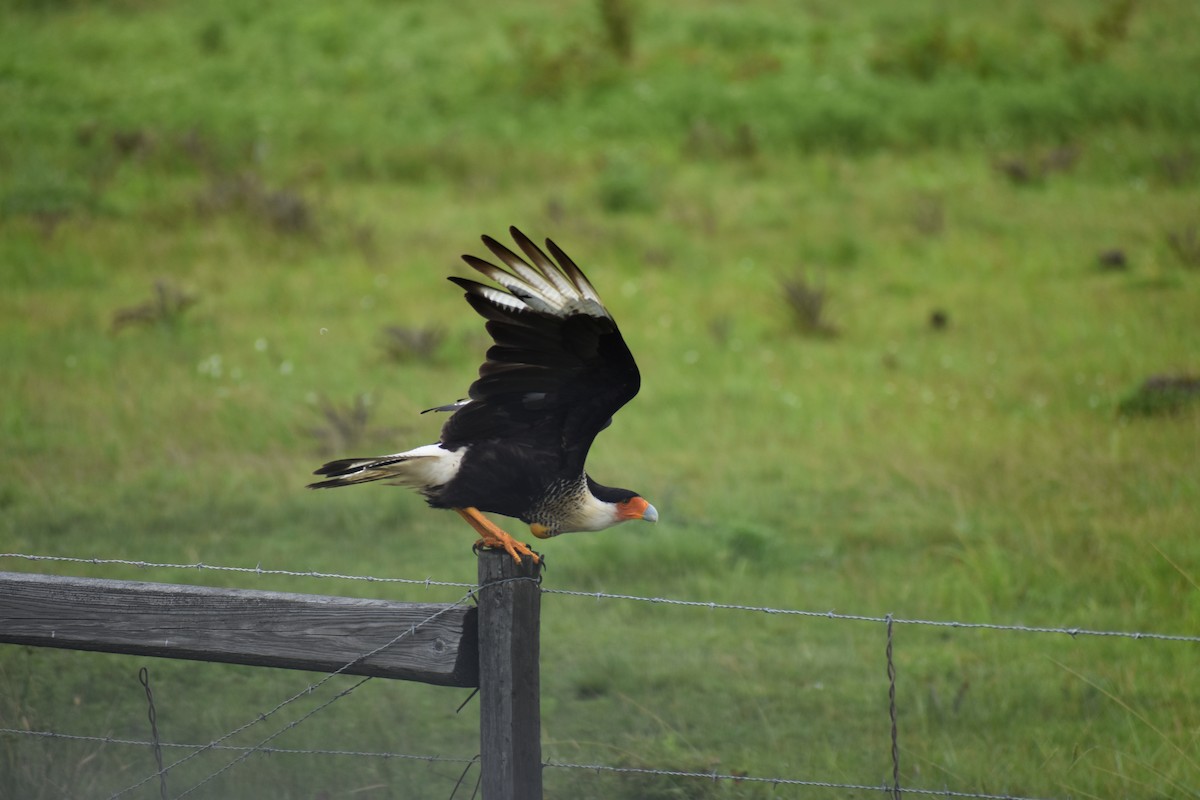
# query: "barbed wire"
{"points": [[600, 595], [266, 750], [256, 570], [880, 620], [548, 764], [263, 746], [716, 776]]}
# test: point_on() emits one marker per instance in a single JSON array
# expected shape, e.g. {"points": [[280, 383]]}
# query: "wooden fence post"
{"points": [[510, 726]]}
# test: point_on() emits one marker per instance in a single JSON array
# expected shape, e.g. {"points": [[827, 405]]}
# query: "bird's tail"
{"points": [[421, 468]]}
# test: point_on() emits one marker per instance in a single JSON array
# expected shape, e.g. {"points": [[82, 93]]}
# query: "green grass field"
{"points": [[211, 212]]}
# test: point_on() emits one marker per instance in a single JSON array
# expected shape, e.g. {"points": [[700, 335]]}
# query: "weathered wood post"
{"points": [[510, 726]]}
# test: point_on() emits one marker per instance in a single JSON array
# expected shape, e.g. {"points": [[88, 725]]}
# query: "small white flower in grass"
{"points": [[285, 367], [323, 331], [260, 344]]}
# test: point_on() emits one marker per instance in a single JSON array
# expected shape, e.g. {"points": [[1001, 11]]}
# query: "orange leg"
{"points": [[492, 536]]}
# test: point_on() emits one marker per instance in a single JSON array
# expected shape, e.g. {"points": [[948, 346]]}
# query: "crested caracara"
{"points": [[557, 372]]}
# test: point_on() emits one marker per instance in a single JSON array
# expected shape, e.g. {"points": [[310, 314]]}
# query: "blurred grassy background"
{"points": [[894, 277]]}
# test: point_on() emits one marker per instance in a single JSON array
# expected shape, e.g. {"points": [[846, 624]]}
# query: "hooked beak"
{"points": [[637, 508]]}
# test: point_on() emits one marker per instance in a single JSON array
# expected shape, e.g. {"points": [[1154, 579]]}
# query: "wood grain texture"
{"points": [[510, 728], [273, 629]]}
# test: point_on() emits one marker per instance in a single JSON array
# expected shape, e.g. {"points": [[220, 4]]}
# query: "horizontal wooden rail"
{"points": [[238, 626]]}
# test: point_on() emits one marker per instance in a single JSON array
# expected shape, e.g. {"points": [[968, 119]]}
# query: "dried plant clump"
{"points": [[807, 302], [402, 343], [1162, 395], [285, 211], [1184, 244], [346, 427], [1032, 168], [166, 307]]}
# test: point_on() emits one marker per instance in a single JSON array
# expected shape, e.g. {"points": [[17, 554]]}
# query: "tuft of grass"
{"points": [[1184, 244], [1162, 395], [807, 303], [1032, 168], [404, 343], [619, 19], [285, 211], [347, 427], [166, 307]]}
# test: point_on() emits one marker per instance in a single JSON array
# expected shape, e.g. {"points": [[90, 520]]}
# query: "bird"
{"points": [[556, 372]]}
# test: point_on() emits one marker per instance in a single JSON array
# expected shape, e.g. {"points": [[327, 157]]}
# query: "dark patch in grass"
{"points": [[132, 142], [625, 185], [166, 307], [705, 140], [346, 427], [285, 211], [938, 47], [212, 39], [1162, 395], [721, 329], [619, 18], [1184, 244], [1112, 260], [1033, 168], [807, 302], [939, 319], [403, 343], [1094, 41], [49, 200], [551, 70], [1177, 168]]}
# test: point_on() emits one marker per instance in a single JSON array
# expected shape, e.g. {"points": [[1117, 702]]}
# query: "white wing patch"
{"points": [[544, 286]]}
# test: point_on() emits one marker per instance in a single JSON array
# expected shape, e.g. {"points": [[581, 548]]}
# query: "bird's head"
{"points": [[601, 507], [635, 507]]}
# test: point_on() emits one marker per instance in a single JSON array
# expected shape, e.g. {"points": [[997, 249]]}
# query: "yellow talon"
{"points": [[493, 537]]}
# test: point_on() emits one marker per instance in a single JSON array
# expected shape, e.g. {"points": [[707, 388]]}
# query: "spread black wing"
{"points": [[558, 369]]}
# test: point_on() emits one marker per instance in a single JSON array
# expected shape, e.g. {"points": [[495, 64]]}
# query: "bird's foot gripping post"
{"points": [[492, 537], [509, 599]]}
